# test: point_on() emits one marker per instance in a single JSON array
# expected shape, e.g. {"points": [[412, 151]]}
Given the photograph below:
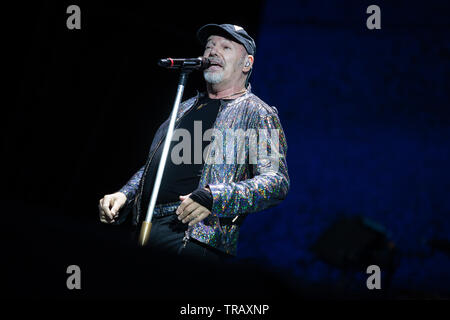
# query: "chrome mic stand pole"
{"points": [[147, 223]]}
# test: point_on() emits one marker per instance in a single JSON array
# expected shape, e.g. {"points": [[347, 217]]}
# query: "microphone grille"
{"points": [[205, 62]]}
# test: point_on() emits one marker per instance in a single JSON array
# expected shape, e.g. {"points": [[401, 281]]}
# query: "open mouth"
{"points": [[215, 65]]}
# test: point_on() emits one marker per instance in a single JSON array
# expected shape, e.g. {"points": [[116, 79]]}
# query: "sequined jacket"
{"points": [[237, 189]]}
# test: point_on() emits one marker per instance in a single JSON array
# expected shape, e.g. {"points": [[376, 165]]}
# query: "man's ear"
{"points": [[248, 63]]}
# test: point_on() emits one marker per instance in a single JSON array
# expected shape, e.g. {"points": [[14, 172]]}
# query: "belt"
{"points": [[165, 209]]}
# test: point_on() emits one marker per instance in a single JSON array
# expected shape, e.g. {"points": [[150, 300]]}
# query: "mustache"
{"points": [[216, 61]]}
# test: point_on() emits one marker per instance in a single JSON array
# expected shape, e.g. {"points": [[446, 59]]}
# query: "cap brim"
{"points": [[214, 29]]}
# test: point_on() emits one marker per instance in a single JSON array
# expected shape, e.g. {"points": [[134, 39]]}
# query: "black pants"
{"points": [[167, 235]]}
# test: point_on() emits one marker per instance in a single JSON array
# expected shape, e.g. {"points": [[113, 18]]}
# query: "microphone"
{"points": [[184, 63]]}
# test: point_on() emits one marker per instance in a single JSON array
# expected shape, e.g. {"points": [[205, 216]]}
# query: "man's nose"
{"points": [[213, 52]]}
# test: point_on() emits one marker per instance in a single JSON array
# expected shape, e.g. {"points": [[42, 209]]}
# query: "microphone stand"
{"points": [[147, 223]]}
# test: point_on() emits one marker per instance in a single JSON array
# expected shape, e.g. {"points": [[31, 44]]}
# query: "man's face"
{"points": [[227, 59]]}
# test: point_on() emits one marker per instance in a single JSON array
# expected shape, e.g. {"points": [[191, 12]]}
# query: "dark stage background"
{"points": [[365, 114]]}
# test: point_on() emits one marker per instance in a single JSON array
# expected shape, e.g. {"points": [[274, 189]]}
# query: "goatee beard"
{"points": [[213, 77]]}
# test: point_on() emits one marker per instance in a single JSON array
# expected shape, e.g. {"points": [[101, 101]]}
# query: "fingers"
{"points": [[186, 202], [105, 213], [104, 219], [192, 212], [188, 209], [106, 205], [110, 205], [192, 215], [117, 204], [101, 213], [202, 215]]}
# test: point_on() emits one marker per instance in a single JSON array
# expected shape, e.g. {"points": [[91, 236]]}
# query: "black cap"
{"points": [[229, 31]]}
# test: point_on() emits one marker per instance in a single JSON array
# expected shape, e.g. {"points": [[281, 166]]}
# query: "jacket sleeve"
{"points": [[131, 187], [269, 184]]}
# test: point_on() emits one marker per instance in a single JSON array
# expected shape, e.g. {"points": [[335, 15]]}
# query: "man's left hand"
{"points": [[190, 211]]}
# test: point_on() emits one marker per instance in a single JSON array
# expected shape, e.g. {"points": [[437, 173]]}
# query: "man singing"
{"points": [[201, 204]]}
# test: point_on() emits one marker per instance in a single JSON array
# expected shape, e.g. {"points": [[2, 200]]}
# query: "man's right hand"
{"points": [[110, 205]]}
